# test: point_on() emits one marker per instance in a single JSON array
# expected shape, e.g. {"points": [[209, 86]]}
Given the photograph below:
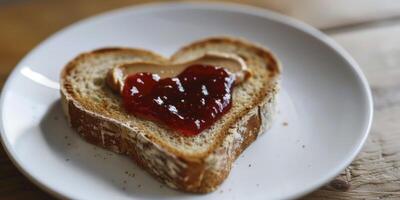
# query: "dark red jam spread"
{"points": [[188, 103]]}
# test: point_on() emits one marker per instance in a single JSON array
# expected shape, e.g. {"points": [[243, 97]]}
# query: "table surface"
{"points": [[368, 29]]}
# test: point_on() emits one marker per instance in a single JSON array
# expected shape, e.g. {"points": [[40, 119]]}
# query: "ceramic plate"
{"points": [[325, 106]]}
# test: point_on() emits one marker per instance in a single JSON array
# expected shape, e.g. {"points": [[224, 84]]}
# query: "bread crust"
{"points": [[200, 174]]}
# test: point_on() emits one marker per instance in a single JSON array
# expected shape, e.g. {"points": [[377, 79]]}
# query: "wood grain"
{"points": [[375, 174], [326, 13]]}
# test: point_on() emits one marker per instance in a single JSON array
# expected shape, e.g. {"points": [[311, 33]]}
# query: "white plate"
{"points": [[325, 100]]}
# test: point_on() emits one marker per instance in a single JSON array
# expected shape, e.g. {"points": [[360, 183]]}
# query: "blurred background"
{"points": [[24, 23], [368, 29]]}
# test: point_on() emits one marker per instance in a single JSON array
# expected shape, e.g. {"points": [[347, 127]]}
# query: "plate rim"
{"points": [[223, 6]]}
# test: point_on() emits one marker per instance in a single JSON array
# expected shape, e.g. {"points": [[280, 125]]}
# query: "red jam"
{"points": [[188, 103]]}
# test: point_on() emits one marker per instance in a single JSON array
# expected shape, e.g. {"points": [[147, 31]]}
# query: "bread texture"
{"points": [[194, 164]]}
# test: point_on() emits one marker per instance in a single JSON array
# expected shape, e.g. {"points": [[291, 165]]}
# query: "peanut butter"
{"points": [[232, 63]]}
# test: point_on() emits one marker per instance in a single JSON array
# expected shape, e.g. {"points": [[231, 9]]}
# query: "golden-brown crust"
{"points": [[212, 179], [274, 66], [134, 51], [200, 178], [194, 174]]}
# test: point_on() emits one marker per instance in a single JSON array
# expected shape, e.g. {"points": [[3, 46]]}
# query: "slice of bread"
{"points": [[195, 164]]}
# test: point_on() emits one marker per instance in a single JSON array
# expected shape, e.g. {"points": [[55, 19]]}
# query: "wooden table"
{"points": [[368, 29]]}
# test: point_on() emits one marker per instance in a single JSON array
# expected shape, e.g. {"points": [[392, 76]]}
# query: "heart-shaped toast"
{"points": [[198, 163]]}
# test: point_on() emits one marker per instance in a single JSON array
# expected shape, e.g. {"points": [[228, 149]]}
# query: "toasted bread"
{"points": [[196, 163]]}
